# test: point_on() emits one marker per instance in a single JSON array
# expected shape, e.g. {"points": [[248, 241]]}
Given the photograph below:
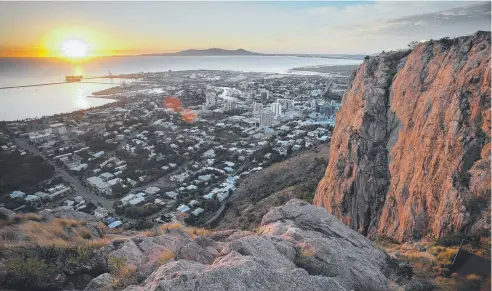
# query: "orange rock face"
{"points": [[410, 153]]}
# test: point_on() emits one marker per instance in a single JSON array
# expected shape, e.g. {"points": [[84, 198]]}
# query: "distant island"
{"points": [[243, 52], [208, 52]]}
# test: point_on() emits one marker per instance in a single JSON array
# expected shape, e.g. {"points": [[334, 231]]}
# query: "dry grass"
{"points": [[472, 277], [57, 232], [66, 222], [125, 277], [123, 274], [19, 218], [446, 257], [166, 256], [431, 264], [169, 226], [194, 232], [423, 263]]}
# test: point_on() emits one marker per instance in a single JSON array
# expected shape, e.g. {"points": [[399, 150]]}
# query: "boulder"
{"points": [[325, 246], [233, 272], [300, 247], [102, 282]]}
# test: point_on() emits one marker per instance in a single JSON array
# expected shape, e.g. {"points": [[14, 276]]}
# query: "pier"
{"points": [[63, 82]]}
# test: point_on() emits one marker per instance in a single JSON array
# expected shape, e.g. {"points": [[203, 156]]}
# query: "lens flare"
{"points": [[173, 103], [189, 116]]}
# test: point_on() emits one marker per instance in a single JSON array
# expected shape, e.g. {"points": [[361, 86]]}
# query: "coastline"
{"points": [[331, 69], [107, 92]]}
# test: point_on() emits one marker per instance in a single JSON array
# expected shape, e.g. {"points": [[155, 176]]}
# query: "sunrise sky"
{"points": [[116, 28]]}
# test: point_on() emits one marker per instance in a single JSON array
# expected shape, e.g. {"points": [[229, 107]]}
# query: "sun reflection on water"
{"points": [[81, 101]]}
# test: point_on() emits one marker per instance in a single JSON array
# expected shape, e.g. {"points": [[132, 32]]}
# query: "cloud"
{"points": [[376, 26]]}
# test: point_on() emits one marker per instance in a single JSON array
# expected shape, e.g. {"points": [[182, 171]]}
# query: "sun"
{"points": [[75, 49]]}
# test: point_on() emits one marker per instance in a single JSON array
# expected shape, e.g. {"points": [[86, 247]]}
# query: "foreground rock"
{"points": [[299, 247], [410, 153]]}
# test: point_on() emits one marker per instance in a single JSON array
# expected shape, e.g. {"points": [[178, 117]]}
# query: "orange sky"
{"points": [[31, 29]]}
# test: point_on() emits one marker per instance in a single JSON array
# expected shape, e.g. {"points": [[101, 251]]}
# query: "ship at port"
{"points": [[74, 78]]}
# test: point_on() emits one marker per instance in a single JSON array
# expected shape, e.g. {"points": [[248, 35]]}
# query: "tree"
{"points": [[118, 190], [413, 44]]}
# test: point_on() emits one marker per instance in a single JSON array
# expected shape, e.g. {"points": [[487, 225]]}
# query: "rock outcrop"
{"points": [[410, 153], [298, 247]]}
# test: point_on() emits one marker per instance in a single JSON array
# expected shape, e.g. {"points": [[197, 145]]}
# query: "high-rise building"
{"points": [[286, 104], [230, 105], [257, 108], [266, 119], [276, 109], [210, 99], [313, 103], [264, 97]]}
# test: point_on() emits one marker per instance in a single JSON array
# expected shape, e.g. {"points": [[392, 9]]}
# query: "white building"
{"points": [[58, 129], [313, 103], [264, 95], [276, 109], [100, 212], [266, 119], [99, 184], [286, 104], [152, 190], [198, 211], [257, 108], [37, 137]]}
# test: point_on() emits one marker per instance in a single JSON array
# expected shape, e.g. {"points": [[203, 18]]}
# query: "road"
{"points": [[78, 188]]}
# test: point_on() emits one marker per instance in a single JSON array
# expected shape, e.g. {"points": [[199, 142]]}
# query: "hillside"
{"points": [[410, 153], [297, 247], [296, 177]]}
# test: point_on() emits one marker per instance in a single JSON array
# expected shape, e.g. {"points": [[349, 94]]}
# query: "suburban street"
{"points": [[77, 187]]}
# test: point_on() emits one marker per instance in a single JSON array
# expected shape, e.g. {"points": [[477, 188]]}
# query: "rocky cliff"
{"points": [[297, 247], [410, 153]]}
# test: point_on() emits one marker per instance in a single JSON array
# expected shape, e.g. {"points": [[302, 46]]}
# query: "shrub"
{"points": [[28, 273], [385, 240], [455, 239], [340, 167], [446, 257], [116, 263], [123, 275], [85, 233], [165, 256]]}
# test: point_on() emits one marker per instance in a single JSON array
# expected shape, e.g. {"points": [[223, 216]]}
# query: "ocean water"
{"points": [[32, 102]]}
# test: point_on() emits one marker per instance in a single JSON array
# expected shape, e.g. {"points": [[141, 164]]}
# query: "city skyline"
{"points": [[30, 29]]}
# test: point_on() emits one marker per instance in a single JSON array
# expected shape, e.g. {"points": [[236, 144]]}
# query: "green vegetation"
{"points": [[22, 172], [41, 268], [340, 167], [123, 274]]}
